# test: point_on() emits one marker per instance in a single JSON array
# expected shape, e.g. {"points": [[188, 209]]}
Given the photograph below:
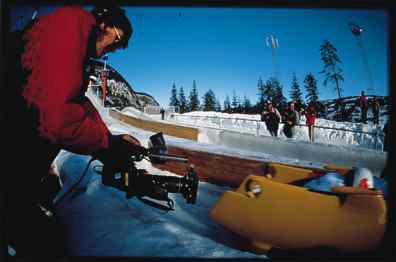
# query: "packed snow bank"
{"points": [[241, 140], [290, 148], [327, 131], [100, 221], [131, 111]]}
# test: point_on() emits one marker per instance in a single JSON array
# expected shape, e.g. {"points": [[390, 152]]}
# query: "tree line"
{"points": [[270, 90]]}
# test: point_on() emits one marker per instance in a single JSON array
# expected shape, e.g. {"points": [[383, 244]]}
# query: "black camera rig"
{"points": [[137, 182]]}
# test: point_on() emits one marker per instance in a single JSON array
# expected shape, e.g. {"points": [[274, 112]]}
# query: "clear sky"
{"points": [[224, 49]]}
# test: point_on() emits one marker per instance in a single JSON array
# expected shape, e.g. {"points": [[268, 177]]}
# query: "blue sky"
{"points": [[224, 49]]}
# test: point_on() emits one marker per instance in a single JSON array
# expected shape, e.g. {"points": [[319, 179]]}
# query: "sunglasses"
{"points": [[118, 37]]}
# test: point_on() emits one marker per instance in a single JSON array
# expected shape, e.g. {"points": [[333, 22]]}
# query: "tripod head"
{"points": [[137, 182]]}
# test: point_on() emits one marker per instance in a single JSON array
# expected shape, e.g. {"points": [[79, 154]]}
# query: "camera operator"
{"points": [[48, 111]]}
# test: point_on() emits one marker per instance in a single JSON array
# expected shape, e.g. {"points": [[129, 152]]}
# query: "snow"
{"points": [[250, 123], [101, 221], [246, 135]]}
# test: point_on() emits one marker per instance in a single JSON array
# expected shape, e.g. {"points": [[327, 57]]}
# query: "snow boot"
{"points": [[49, 187]]}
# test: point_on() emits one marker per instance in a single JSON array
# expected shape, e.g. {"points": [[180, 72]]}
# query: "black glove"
{"points": [[119, 153]]}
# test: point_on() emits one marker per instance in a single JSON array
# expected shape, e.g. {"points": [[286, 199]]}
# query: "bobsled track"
{"points": [[301, 150], [277, 147], [100, 220]]}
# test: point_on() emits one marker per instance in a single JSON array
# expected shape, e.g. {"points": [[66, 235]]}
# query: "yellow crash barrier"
{"points": [[273, 214]]}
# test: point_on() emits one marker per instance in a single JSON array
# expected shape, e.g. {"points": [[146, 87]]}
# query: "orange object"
{"points": [[275, 213], [104, 85]]}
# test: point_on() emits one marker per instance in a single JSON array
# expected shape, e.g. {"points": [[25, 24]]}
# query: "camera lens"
{"points": [[144, 184]]}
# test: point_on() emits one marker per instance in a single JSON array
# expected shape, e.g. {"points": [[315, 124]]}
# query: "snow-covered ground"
{"points": [[327, 131], [340, 143], [101, 221]]}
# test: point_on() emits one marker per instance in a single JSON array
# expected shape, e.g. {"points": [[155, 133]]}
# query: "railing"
{"points": [[257, 127]]}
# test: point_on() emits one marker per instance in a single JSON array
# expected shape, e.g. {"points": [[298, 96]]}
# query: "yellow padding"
{"points": [[288, 216], [168, 129]]}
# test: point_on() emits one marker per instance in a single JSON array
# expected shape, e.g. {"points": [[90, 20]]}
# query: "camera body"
{"points": [[137, 182]]}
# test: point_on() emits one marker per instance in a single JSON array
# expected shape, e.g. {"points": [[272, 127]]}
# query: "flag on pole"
{"points": [[103, 78]]}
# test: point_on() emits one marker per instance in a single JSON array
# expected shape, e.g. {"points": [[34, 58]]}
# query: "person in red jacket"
{"points": [[48, 111], [310, 115]]}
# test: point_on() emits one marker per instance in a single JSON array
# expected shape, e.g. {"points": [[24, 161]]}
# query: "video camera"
{"points": [[137, 182]]}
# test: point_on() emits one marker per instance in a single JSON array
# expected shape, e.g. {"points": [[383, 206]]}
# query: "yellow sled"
{"points": [[286, 173], [270, 212]]}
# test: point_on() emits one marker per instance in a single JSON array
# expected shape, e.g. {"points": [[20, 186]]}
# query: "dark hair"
{"points": [[114, 16]]}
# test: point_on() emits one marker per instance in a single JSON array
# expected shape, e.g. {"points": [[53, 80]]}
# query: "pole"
{"points": [[370, 88], [104, 80], [273, 43], [357, 33]]}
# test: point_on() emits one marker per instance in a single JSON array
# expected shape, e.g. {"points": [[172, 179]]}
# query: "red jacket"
{"points": [[363, 102], [55, 54], [310, 115]]}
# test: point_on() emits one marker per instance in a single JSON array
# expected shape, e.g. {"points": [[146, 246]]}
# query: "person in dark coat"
{"points": [[48, 111], [363, 103], [375, 110], [290, 120], [271, 117], [162, 111]]}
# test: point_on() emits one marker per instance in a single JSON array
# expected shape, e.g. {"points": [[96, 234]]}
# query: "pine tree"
{"points": [[311, 88], [218, 106], [209, 101], [261, 93], [182, 101], [295, 92], [279, 100], [235, 102], [246, 104], [269, 89], [227, 104], [331, 70], [174, 101], [193, 103]]}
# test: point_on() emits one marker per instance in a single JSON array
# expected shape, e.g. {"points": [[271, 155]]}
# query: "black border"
{"points": [[386, 251]]}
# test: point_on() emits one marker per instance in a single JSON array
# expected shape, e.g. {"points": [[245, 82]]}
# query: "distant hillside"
{"points": [[120, 93]]}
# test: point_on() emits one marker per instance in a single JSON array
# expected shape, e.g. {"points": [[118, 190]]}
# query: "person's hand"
{"points": [[120, 150], [130, 139]]}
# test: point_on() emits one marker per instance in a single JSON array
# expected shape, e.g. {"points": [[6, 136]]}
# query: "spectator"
{"points": [[162, 111], [322, 109], [363, 103], [376, 110], [310, 115], [271, 117], [340, 110], [299, 106], [290, 119]]}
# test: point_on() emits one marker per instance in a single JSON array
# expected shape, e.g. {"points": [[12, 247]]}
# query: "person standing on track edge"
{"points": [[48, 111], [271, 117], [310, 115], [363, 103], [290, 119]]}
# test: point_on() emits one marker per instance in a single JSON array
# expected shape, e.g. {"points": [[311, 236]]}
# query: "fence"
{"points": [[371, 140], [155, 110], [152, 110]]}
